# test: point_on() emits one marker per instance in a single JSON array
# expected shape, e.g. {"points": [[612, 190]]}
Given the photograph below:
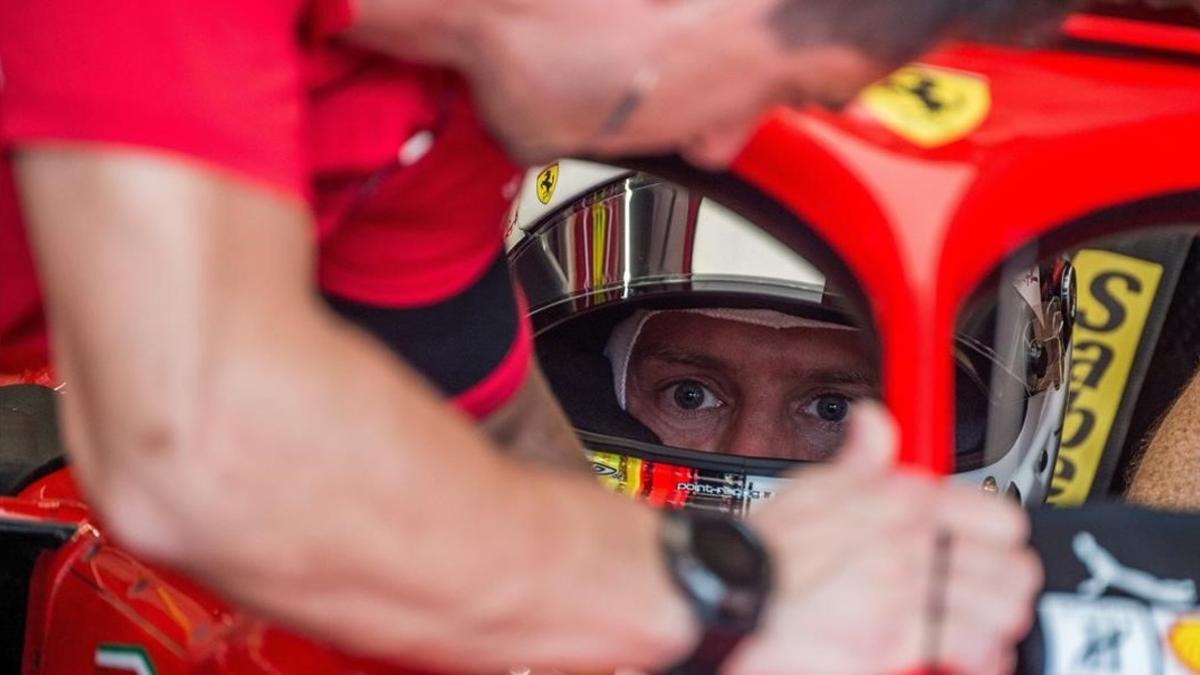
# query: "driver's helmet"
{"points": [[623, 270]]}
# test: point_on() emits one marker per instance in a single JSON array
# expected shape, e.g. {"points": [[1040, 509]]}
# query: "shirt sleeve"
{"points": [[219, 81]]}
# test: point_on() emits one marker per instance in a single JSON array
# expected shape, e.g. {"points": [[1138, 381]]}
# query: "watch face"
{"points": [[723, 547]]}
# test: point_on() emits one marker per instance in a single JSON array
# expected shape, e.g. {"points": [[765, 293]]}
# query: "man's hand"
{"points": [[542, 84], [855, 549], [638, 77], [626, 83]]}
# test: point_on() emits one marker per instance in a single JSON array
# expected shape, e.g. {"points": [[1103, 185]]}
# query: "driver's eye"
{"points": [[691, 395], [830, 407]]}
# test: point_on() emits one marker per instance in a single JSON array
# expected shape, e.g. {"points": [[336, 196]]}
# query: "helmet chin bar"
{"points": [[678, 478]]}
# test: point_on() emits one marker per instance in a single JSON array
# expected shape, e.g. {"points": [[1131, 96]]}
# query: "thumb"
{"points": [[871, 442]]}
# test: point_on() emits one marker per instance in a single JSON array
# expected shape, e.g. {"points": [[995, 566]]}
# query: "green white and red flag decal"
{"points": [[112, 659]]}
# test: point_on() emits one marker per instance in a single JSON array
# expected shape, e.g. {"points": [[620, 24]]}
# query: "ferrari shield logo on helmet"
{"points": [[547, 180], [928, 106]]}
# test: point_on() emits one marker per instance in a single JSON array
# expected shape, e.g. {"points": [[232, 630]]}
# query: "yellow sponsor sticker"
{"points": [[618, 473], [547, 181], [929, 106], [1184, 639], [1115, 294]]}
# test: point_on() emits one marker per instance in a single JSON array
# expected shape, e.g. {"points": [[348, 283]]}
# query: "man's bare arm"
{"points": [[224, 421], [533, 427], [1168, 475]]}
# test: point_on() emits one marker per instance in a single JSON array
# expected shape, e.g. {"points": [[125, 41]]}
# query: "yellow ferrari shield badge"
{"points": [[547, 180], [929, 106]]}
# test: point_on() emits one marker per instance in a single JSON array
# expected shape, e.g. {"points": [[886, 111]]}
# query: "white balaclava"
{"points": [[624, 336]]}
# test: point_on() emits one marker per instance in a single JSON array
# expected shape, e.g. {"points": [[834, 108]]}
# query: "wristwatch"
{"points": [[725, 573]]}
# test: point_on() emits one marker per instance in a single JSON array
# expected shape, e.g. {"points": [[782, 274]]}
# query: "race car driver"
{"points": [[675, 332], [226, 421]]}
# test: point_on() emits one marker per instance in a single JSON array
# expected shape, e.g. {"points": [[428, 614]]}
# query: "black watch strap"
{"points": [[724, 572], [713, 650]]}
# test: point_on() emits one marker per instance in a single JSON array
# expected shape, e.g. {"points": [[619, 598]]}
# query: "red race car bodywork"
{"points": [[919, 216]]}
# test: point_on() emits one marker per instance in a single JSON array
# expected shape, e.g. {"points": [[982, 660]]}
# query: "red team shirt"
{"points": [[262, 91]]}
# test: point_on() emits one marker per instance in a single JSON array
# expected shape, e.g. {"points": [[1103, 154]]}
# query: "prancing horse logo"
{"points": [[547, 180]]}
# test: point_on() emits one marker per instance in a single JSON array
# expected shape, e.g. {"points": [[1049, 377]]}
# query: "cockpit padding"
{"points": [[30, 445]]}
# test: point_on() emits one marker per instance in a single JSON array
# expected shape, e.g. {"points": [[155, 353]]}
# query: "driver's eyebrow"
{"points": [[824, 376], [848, 376], [670, 355]]}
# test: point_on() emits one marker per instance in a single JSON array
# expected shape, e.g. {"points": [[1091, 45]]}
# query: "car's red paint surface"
{"points": [[1071, 133]]}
